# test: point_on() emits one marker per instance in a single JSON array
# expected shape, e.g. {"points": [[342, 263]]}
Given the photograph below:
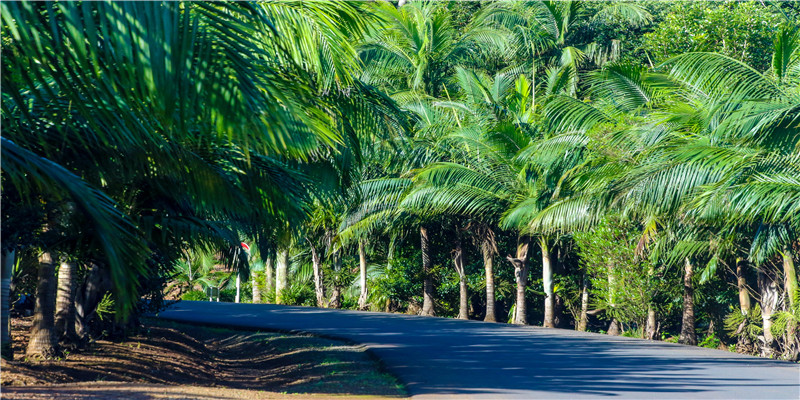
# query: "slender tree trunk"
{"points": [[770, 295], [614, 328], [520, 263], [336, 296], [741, 284], [458, 263], [269, 276], [427, 266], [362, 267], [88, 296], [65, 302], [487, 248], [688, 334], [256, 288], [282, 268], [789, 277], [547, 281], [43, 341], [238, 287], [584, 317], [651, 327], [792, 342], [7, 265], [319, 290]]}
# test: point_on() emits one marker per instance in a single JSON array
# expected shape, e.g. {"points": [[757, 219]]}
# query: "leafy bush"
{"points": [[710, 341], [194, 295]]}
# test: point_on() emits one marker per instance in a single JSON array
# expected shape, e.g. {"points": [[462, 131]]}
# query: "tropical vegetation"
{"points": [[605, 166]]}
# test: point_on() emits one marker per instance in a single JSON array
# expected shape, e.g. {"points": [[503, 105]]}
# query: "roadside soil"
{"points": [[179, 361]]}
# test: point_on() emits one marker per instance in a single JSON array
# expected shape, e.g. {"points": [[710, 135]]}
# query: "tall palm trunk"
{"points": [[651, 327], [547, 281], [584, 317], [688, 334], [487, 249], [789, 277], [256, 288], [741, 284], [362, 278], [770, 295], [458, 264], [427, 266], [269, 276], [792, 342], [65, 302], [43, 341], [282, 268], [520, 263], [319, 290], [238, 287], [7, 265], [336, 296], [88, 296]]}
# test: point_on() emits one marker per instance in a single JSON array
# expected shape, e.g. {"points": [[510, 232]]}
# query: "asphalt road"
{"points": [[441, 358]]}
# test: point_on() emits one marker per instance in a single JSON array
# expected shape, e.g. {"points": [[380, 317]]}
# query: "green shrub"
{"points": [[194, 295]]}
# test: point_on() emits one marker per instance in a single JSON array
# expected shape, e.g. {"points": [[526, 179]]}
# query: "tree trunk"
{"points": [[651, 327], [238, 287], [614, 328], [770, 295], [584, 317], [547, 281], [336, 296], [43, 341], [65, 302], [319, 290], [269, 277], [427, 266], [282, 268], [362, 281], [88, 296], [688, 334], [651, 333], [789, 277], [458, 263], [520, 263], [7, 265], [741, 283], [256, 288], [487, 248]]}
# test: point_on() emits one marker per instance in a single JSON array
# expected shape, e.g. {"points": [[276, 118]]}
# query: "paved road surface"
{"points": [[440, 358]]}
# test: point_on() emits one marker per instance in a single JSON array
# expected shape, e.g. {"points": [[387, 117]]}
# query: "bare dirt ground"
{"points": [[178, 361]]}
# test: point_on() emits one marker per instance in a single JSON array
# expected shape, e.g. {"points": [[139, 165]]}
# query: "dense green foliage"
{"points": [[596, 165]]}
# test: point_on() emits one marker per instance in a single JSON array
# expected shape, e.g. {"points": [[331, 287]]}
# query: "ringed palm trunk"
{"points": [[614, 328], [487, 248], [790, 277], [768, 287], [741, 284], [336, 296], [792, 345], [584, 317], [7, 265], [65, 302], [458, 264], [256, 288], [319, 290], [43, 341], [651, 327], [269, 274], [282, 267], [520, 263], [427, 284], [547, 281], [362, 279], [688, 334]]}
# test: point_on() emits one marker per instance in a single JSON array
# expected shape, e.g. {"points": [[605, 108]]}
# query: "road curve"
{"points": [[440, 358]]}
